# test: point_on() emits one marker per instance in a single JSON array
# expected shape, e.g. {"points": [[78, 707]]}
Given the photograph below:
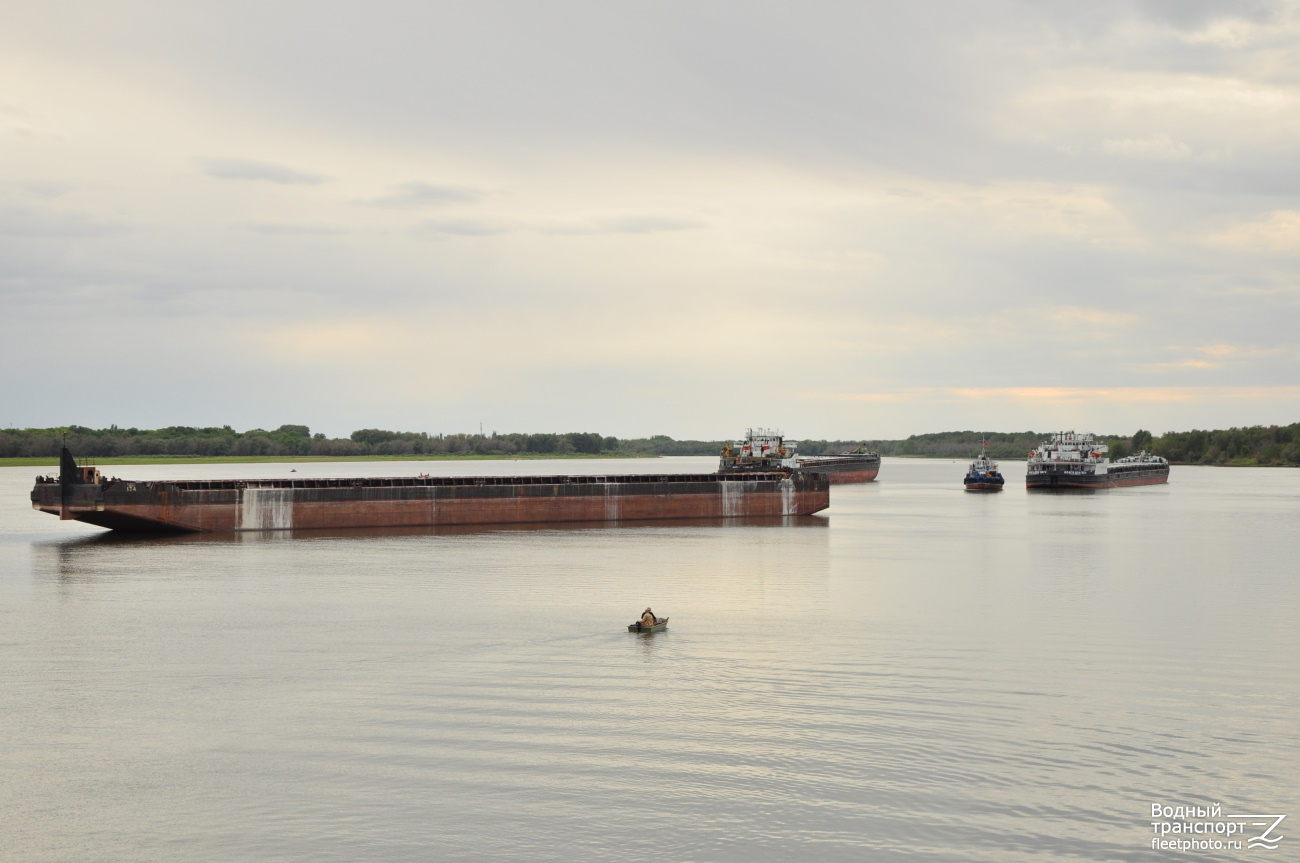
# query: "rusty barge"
{"points": [[841, 468], [224, 506]]}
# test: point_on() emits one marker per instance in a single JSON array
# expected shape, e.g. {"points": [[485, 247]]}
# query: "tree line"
{"points": [[298, 440], [1253, 445], [287, 440], [1264, 445]]}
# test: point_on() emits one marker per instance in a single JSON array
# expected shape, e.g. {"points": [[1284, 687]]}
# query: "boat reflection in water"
{"points": [[115, 538]]}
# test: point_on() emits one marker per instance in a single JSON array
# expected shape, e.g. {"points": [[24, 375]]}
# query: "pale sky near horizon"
{"points": [[846, 220]]}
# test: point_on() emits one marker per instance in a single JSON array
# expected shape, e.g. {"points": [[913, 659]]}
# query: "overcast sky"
{"points": [[856, 220]]}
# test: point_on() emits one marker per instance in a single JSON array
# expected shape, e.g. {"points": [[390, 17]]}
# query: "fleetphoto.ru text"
{"points": [[1206, 828]]}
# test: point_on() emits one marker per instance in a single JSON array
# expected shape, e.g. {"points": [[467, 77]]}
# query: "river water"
{"points": [[916, 673]]}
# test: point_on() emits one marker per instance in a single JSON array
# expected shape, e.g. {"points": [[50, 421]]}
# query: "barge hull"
{"points": [[841, 470], [225, 506], [1109, 480]]}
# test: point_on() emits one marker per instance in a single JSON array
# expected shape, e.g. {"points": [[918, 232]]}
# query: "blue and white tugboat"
{"points": [[983, 475]]}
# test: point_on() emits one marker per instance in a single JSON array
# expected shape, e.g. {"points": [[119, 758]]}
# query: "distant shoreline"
{"points": [[1265, 446]]}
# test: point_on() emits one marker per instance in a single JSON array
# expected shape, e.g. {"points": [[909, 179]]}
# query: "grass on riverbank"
{"points": [[53, 461]]}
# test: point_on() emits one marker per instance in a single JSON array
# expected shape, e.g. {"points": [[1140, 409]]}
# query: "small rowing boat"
{"points": [[661, 624]]}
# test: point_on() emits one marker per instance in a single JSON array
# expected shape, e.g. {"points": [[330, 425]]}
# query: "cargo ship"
{"points": [[855, 466], [224, 506], [1074, 460], [767, 449]]}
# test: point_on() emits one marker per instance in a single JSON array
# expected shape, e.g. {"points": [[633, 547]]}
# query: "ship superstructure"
{"points": [[762, 450], [767, 449], [1077, 460]]}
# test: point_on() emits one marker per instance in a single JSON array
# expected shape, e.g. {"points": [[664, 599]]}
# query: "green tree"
{"points": [[585, 442], [373, 436]]}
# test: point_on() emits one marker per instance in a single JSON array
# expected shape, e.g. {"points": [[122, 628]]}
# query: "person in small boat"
{"points": [[648, 619]]}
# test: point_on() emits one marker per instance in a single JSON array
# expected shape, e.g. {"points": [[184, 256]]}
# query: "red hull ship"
{"points": [[843, 468], [223, 506]]}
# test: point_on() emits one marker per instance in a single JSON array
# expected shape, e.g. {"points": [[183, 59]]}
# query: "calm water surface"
{"points": [[916, 673]]}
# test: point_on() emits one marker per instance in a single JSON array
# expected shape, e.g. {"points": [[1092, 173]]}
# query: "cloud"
{"points": [[289, 229], [1278, 231], [46, 190], [417, 193], [1069, 395], [1231, 123], [1189, 363], [1159, 147], [18, 121], [322, 340], [1220, 355], [1100, 317], [248, 169], [648, 225], [1237, 33], [627, 224], [29, 222], [621, 225], [458, 227], [1220, 350]]}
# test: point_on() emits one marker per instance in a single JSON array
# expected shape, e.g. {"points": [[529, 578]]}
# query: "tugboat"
{"points": [[983, 475], [1076, 460]]}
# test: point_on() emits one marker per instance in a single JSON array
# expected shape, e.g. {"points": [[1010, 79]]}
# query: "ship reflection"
{"points": [[1057, 490], [603, 570], [119, 539]]}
